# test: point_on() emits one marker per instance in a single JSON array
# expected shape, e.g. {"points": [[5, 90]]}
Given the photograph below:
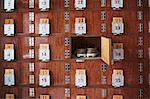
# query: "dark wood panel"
{"points": [[56, 41]]}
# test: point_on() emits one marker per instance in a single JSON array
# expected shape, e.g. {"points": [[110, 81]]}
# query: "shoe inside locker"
{"points": [[92, 52], [81, 53]]}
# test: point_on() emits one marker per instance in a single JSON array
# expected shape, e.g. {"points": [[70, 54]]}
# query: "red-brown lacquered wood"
{"points": [[56, 42]]}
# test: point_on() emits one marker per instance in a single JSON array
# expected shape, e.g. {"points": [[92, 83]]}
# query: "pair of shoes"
{"points": [[89, 52], [81, 52], [92, 52]]}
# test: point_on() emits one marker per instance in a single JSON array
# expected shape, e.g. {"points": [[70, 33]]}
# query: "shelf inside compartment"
{"points": [[85, 47]]}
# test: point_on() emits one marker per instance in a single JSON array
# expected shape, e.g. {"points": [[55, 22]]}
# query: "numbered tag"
{"points": [[117, 26], [80, 26], [9, 77], [80, 97], [9, 96], [44, 5], [9, 52], [117, 78], [44, 97], [44, 78], [80, 78], [118, 54], [117, 97], [117, 4], [44, 27], [9, 27], [44, 52], [9, 5], [80, 4], [118, 51]]}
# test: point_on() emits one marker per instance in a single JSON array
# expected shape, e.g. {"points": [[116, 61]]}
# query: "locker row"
{"points": [[29, 75], [44, 52], [31, 94], [82, 48], [45, 5], [43, 27], [80, 26], [45, 78]]}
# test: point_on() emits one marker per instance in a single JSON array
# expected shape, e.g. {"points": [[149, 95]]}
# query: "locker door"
{"points": [[106, 50]]}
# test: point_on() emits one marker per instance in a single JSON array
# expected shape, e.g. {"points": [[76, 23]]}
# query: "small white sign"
{"points": [[80, 28], [44, 4], [116, 4], [117, 25], [8, 54], [80, 78], [117, 28], [117, 78], [9, 79], [31, 4], [9, 5], [9, 29], [44, 54], [44, 29], [80, 4], [118, 54], [44, 80]]}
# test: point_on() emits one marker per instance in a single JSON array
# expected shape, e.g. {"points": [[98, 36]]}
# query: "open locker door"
{"points": [[106, 51]]}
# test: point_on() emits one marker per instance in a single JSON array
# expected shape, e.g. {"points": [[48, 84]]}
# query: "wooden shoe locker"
{"points": [[60, 19]]}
